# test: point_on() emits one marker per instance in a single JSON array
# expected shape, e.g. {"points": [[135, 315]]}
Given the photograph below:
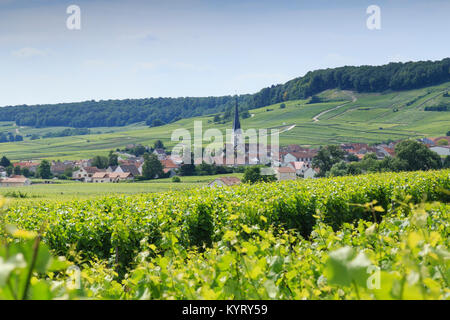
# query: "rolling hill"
{"points": [[341, 116]]}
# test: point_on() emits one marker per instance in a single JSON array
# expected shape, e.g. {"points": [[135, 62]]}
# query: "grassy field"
{"points": [[370, 118], [70, 190]]}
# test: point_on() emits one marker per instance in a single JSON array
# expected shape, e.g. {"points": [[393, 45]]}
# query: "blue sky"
{"points": [[172, 48]]}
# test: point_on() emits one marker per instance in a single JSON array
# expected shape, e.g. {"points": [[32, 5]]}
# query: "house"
{"points": [[15, 181], [225, 181], [285, 173], [30, 165], [436, 140], [101, 177], [169, 167], [310, 173], [59, 167], [160, 153], [299, 166], [111, 168], [132, 169], [442, 151], [115, 177], [85, 174], [302, 156]]}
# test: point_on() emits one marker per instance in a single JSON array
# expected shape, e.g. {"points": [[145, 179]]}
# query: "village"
{"points": [[289, 163], [138, 162]]}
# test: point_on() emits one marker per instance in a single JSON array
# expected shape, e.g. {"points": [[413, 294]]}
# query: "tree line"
{"points": [[160, 111]]}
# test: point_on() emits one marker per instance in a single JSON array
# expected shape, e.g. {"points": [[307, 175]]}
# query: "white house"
{"points": [[101, 177], [309, 173], [299, 166], [15, 181], [285, 173], [85, 174], [442, 150]]}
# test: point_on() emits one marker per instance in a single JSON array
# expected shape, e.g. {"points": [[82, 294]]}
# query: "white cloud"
{"points": [[29, 53]]}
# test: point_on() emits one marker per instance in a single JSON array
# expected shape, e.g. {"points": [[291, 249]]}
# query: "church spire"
{"points": [[236, 123], [237, 132]]}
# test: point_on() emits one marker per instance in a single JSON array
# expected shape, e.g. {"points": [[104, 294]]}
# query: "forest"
{"points": [[160, 111]]}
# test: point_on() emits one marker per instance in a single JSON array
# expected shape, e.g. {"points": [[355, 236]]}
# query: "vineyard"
{"points": [[379, 236]]}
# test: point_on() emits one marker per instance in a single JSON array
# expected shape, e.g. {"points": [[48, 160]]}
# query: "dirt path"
{"points": [[316, 118]]}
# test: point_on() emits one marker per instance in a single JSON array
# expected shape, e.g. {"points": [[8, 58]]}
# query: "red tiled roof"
{"points": [[229, 181], [169, 164], [285, 170]]}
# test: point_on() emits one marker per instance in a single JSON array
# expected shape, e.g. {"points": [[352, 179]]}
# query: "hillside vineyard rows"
{"points": [[309, 239]]}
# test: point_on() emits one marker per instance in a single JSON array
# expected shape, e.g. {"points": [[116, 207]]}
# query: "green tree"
{"points": [[152, 167], [113, 159], [417, 156], [26, 172], [253, 174], [100, 162], [446, 164], [245, 114], [187, 170], [157, 123], [352, 157], [326, 158], [43, 171], [17, 170], [4, 162], [339, 169], [158, 144]]}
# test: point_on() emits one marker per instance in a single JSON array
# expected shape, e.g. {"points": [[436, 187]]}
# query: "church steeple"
{"points": [[236, 123], [237, 132]]}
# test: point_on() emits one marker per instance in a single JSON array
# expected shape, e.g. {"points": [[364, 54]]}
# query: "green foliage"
{"points": [[252, 174], [100, 162], [4, 162], [152, 167], [113, 159], [176, 179], [92, 226], [43, 170], [158, 144], [327, 157], [240, 243], [417, 156]]}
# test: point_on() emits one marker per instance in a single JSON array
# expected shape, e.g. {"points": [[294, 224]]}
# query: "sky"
{"points": [[175, 48]]}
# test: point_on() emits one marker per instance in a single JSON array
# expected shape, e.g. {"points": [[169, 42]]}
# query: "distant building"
{"points": [[30, 165], [59, 167], [302, 156], [85, 174], [310, 173], [132, 169], [160, 153], [225, 181], [15, 181], [111, 177], [285, 173], [442, 151], [299, 166]]}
